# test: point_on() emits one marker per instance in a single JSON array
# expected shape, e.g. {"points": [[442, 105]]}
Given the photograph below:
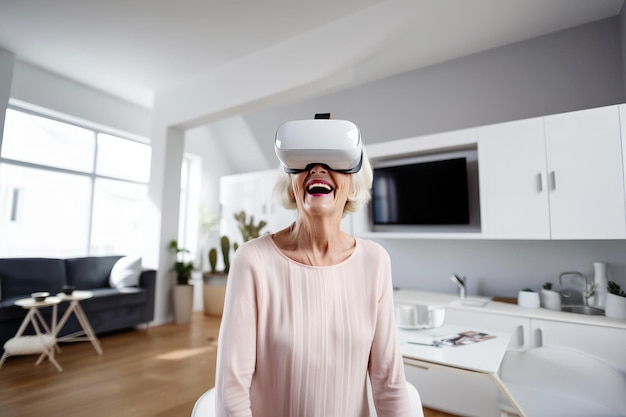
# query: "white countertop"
{"points": [[495, 307]]}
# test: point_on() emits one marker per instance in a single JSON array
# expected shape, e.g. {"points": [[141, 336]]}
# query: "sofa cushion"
{"points": [[22, 276], [107, 298], [90, 272], [125, 272]]}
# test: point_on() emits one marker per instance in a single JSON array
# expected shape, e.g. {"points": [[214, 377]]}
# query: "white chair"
{"points": [[205, 405], [552, 382]]}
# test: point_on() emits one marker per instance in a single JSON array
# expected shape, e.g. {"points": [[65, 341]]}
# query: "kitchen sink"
{"points": [[471, 302], [582, 309]]}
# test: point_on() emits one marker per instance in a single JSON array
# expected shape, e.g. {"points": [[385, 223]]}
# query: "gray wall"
{"points": [[622, 25], [569, 70], [7, 60]]}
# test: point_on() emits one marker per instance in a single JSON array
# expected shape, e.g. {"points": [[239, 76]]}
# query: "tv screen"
{"points": [[426, 193]]}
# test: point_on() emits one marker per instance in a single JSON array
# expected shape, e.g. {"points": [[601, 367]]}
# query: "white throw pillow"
{"points": [[125, 272]]}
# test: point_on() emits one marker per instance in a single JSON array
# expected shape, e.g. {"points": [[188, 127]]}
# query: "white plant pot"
{"points": [[528, 299], [550, 300], [213, 293], [615, 306], [183, 303]]}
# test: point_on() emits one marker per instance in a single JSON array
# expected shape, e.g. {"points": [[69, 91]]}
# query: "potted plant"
{"points": [[528, 298], [214, 288], [183, 290], [615, 301], [550, 299]]}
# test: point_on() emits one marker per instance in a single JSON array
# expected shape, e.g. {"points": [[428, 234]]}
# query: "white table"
{"points": [[42, 342], [87, 333], [481, 358]]}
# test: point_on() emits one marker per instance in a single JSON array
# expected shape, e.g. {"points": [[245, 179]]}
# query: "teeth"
{"points": [[319, 185]]}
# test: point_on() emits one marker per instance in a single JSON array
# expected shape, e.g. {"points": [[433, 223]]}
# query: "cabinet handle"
{"points": [[553, 180], [540, 182], [520, 336], [538, 338]]}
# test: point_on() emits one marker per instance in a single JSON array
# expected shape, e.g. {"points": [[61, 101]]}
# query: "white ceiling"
{"points": [[134, 48]]}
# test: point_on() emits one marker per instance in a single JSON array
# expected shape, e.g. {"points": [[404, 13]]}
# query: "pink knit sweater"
{"points": [[299, 341]]}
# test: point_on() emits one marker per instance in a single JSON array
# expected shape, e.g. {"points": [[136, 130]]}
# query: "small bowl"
{"points": [[40, 296], [68, 289]]}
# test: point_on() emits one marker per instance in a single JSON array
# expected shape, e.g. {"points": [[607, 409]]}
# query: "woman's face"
{"points": [[320, 191]]}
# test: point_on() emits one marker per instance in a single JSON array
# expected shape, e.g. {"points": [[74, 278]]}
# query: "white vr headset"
{"points": [[334, 144]]}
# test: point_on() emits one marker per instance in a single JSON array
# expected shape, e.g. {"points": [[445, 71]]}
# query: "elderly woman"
{"points": [[309, 311]]}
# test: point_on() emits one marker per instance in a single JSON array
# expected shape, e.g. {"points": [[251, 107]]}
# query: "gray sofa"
{"points": [[110, 309]]}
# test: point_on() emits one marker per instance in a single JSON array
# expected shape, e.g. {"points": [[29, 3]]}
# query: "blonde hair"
{"points": [[360, 195]]}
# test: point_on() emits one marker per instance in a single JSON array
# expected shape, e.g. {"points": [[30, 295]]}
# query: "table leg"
{"points": [[47, 351], [82, 318], [507, 394]]}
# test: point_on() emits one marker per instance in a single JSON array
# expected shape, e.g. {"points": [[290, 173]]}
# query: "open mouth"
{"points": [[319, 188]]}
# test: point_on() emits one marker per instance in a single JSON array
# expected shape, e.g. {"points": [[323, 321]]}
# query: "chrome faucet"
{"points": [[460, 282], [588, 290]]}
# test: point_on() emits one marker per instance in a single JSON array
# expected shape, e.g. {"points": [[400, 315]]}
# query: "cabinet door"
{"points": [[585, 172], [513, 187], [465, 393], [604, 343]]}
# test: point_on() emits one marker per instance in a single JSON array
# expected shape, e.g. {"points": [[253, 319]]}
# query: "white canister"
{"points": [[551, 299], [615, 306], [528, 299]]}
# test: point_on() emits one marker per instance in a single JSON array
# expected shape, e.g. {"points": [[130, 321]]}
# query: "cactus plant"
{"points": [[225, 243], [225, 247], [248, 229]]}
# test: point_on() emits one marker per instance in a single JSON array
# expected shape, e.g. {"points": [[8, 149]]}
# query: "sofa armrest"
{"points": [[147, 280]]}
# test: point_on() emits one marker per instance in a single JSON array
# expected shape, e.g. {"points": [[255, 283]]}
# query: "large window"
{"points": [[68, 190]]}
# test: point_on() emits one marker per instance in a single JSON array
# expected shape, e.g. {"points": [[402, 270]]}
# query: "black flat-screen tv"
{"points": [[425, 193]]}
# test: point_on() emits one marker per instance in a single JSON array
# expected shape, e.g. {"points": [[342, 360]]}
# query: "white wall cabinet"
{"points": [[253, 193], [513, 185], [558, 177]]}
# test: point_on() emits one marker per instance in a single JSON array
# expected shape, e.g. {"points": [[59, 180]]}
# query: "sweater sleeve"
{"points": [[236, 358], [386, 366]]}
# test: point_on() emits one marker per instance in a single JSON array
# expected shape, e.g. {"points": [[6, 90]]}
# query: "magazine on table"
{"points": [[465, 338]]}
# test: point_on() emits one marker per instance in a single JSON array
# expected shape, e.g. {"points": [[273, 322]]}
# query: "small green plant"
{"points": [[614, 288], [182, 268], [528, 290], [248, 229], [547, 286]]}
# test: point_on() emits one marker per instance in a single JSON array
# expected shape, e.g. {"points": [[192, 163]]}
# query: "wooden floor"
{"points": [[155, 373]]}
